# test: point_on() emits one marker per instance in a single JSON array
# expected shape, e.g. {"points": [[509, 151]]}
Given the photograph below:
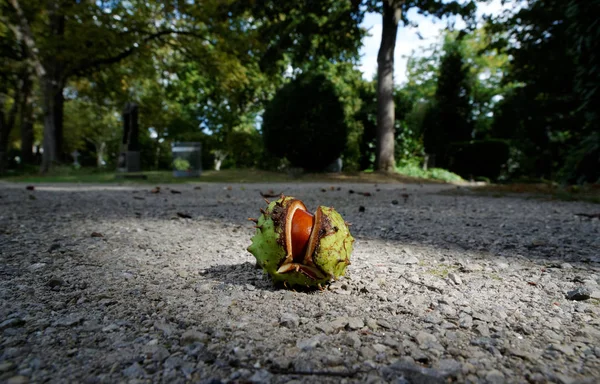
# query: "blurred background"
{"points": [[499, 91]]}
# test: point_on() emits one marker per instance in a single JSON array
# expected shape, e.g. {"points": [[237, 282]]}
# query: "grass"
{"points": [[92, 175]]}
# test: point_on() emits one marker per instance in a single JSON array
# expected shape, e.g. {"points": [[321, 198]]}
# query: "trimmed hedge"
{"points": [[479, 158], [305, 123]]}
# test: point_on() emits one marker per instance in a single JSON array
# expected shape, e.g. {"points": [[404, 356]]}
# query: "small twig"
{"points": [[589, 215], [430, 287], [314, 373]]}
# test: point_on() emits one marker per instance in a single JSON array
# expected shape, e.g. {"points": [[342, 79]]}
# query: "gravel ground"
{"points": [[109, 284]]}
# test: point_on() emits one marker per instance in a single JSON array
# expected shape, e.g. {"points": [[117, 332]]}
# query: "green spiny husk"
{"points": [[331, 255]]}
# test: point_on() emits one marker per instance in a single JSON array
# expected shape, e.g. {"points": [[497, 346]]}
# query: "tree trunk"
{"points": [[385, 87], [27, 121], [53, 84], [6, 127], [157, 154], [59, 107], [49, 143], [57, 28], [4, 130], [219, 158], [100, 148]]}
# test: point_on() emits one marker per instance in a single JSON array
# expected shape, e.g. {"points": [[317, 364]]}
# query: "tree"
{"points": [[67, 40], [541, 115], [298, 33], [305, 123], [452, 111], [393, 12], [583, 162]]}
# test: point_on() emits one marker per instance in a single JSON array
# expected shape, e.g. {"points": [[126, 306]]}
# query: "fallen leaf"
{"points": [[139, 198], [367, 194], [155, 190], [30, 187], [197, 188], [97, 234], [323, 190], [174, 191], [532, 283], [184, 215]]}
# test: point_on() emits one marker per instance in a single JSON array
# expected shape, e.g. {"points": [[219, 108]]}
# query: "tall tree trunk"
{"points": [[100, 148], [55, 66], [49, 143], [7, 125], [53, 84], [385, 87], [4, 132], [59, 107], [41, 73], [26, 118], [49, 73]]}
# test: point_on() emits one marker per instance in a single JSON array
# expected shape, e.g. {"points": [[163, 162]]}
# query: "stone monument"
{"points": [[129, 156]]}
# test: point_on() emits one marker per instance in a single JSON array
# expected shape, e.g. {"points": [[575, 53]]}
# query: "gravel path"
{"points": [[106, 284]]}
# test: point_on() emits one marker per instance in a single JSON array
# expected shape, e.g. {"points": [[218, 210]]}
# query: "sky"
{"points": [[407, 39]]}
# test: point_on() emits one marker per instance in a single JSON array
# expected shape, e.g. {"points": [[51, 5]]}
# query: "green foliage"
{"points": [[583, 161], [413, 169], [450, 117], [366, 116], [245, 147], [549, 117], [407, 135], [470, 91], [305, 122], [297, 33], [181, 164]]}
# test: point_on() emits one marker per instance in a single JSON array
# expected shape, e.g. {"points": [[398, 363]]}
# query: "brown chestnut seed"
{"points": [[302, 227]]}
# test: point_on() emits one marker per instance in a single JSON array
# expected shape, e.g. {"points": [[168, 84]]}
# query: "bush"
{"points": [[413, 169], [582, 164], [480, 158], [245, 148], [305, 123]]}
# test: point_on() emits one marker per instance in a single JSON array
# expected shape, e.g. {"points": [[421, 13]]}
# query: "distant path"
{"points": [[105, 283]]}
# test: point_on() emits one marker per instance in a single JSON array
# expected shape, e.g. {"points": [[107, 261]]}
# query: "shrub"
{"points": [[413, 169], [480, 158], [244, 147], [305, 123]]}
